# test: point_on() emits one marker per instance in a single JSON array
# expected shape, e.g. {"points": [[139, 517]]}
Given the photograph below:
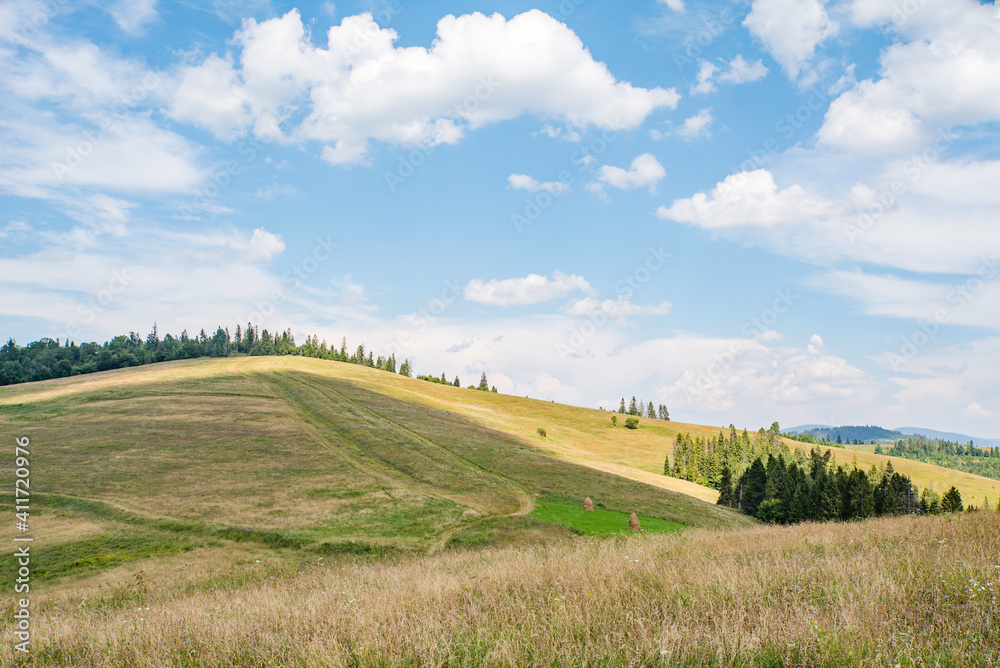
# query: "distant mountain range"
{"points": [[868, 433]]}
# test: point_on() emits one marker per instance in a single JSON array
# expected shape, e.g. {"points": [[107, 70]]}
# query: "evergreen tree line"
{"points": [[969, 457], [642, 409], [786, 492], [703, 460], [45, 358], [484, 384]]}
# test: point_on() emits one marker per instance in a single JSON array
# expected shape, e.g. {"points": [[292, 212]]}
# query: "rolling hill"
{"points": [[313, 456]]}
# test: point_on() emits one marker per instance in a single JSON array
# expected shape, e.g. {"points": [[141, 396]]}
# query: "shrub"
{"points": [[632, 422], [541, 432], [614, 420]]}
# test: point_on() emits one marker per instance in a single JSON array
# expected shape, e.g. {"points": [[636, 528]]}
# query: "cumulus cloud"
{"points": [[529, 183], [479, 70], [747, 199], [530, 289], [790, 30], [944, 71], [740, 71], [975, 410], [264, 245], [644, 172]]}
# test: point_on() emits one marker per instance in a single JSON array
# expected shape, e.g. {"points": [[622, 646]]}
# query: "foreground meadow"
{"points": [[914, 591]]}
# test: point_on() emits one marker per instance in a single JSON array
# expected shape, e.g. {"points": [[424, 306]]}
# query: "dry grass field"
{"points": [[292, 511], [888, 592]]}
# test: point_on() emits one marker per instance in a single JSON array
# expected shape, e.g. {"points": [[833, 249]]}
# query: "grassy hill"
{"points": [[179, 509], [292, 454], [303, 456]]}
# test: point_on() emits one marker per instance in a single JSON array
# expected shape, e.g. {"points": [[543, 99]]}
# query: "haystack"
{"points": [[588, 504], [633, 523]]}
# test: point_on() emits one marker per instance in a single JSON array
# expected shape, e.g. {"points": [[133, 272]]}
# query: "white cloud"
{"points": [[645, 171], [133, 16], [264, 245], [697, 125], [210, 95], [816, 345], [946, 72], [972, 301], [621, 307], [559, 133], [95, 131], [738, 71], [13, 229], [975, 410], [479, 70], [747, 199], [352, 292], [769, 335], [706, 70], [531, 289], [144, 276], [790, 30], [525, 182], [676, 5]]}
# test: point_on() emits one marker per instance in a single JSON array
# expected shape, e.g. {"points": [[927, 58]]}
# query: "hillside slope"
{"points": [[291, 453]]}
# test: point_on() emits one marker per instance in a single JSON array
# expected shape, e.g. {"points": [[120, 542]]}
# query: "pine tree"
{"points": [[951, 502], [725, 488], [405, 370], [483, 383], [457, 382], [650, 411], [632, 408], [621, 406], [753, 488]]}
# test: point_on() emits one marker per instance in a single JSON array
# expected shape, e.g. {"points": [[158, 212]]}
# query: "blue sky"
{"points": [[777, 209]]}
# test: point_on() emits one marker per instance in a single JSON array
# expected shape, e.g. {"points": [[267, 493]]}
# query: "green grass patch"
{"points": [[597, 522], [96, 553]]}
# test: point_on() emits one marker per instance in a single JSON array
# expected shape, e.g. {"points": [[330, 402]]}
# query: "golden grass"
{"points": [[581, 435], [918, 591], [585, 436]]}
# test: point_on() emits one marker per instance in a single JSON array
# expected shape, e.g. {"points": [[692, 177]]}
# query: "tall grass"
{"points": [[903, 591]]}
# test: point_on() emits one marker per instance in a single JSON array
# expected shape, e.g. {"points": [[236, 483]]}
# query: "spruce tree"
{"points": [[725, 487], [483, 383], [951, 502], [632, 408], [621, 406], [754, 488]]}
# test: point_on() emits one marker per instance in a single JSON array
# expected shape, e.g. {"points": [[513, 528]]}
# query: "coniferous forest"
{"points": [[47, 358], [760, 476], [970, 458]]}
